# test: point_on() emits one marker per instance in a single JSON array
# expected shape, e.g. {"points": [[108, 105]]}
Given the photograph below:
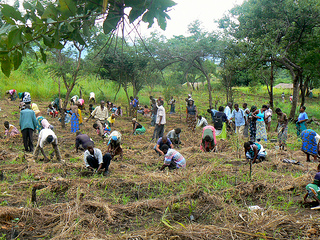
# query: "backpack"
{"points": [[217, 122]]}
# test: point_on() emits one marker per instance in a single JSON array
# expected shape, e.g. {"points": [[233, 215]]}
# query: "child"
{"points": [[52, 111], [313, 189], [10, 130], [146, 111], [91, 108], [111, 120], [106, 129], [118, 112]]}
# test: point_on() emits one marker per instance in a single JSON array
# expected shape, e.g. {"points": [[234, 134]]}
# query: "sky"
{"points": [[187, 11]]}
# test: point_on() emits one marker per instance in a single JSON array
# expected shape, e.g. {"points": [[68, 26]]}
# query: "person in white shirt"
{"points": [[47, 136], [202, 122], [227, 110], [92, 97], [268, 116], [100, 113], [174, 136], [160, 121], [94, 160]]}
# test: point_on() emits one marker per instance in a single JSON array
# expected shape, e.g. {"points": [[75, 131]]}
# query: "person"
{"points": [[291, 98], [146, 111], [118, 112], [12, 94], [209, 141], [114, 144], [192, 113], [246, 114], [254, 151], [133, 106], [137, 128], [261, 132], [227, 110], [172, 159], [57, 104], [160, 121], [35, 108], [106, 130], [82, 141], [189, 98], [80, 116], [74, 118], [67, 116], [172, 104], [252, 123], [162, 141], [94, 160], [25, 97], [92, 97], [52, 111], [202, 122], [313, 189], [239, 118], [301, 123], [91, 108], [310, 143], [42, 123], [282, 128], [47, 136], [10, 130], [74, 99], [174, 136], [80, 104], [283, 97], [268, 116], [111, 120], [27, 123], [220, 123], [154, 111], [212, 113], [310, 93], [100, 113]]}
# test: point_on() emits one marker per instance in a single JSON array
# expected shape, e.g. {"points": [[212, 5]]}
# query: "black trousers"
{"points": [[93, 162], [158, 131], [27, 134]]}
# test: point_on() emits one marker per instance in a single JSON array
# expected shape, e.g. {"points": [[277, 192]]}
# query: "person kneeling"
{"points": [[209, 141], [254, 151], [160, 143], [47, 136], [114, 144], [313, 189], [94, 161], [172, 158]]}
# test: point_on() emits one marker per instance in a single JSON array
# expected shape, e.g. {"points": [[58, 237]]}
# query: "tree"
{"points": [[62, 20]]}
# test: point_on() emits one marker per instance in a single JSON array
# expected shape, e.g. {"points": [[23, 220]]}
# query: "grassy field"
{"points": [[210, 199]]}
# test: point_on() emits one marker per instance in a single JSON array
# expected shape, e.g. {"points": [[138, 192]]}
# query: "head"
{"points": [[190, 103], [114, 138], [303, 109], [90, 147], [90, 105], [160, 102], [247, 145], [50, 106], [78, 133], [164, 139], [236, 107], [278, 111], [95, 126], [253, 108], [119, 108], [221, 109], [207, 138], [245, 105], [102, 103], [134, 120], [199, 116], [164, 148], [153, 101], [145, 106], [113, 116], [151, 97], [6, 124], [49, 139], [268, 105], [177, 130], [189, 95], [171, 97], [131, 98], [229, 104], [264, 107], [137, 98]]}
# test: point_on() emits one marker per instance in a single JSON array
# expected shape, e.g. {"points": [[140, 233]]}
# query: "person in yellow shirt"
{"points": [[111, 120]]}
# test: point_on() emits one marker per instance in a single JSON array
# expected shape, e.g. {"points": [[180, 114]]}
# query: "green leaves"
{"points": [[111, 22], [68, 8], [6, 66], [14, 37], [17, 59], [10, 12]]}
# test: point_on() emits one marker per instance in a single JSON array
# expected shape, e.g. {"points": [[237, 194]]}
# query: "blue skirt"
{"points": [[309, 143], [74, 123]]}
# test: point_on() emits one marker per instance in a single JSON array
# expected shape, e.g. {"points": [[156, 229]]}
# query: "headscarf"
{"points": [[252, 108]]}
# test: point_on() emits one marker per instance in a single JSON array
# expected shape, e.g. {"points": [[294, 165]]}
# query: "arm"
{"points": [[163, 167], [134, 127], [160, 120], [171, 145], [158, 149], [77, 144], [255, 149]]}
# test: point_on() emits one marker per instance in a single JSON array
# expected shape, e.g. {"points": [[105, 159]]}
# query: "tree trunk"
{"points": [[271, 86], [303, 90], [295, 94]]}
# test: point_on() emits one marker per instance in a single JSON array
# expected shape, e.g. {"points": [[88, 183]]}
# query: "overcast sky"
{"points": [[187, 11]]}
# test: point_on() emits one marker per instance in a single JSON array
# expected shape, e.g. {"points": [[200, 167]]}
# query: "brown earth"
{"points": [[207, 200]]}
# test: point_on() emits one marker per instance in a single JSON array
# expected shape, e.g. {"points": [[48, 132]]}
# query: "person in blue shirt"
{"points": [[301, 122], [239, 118], [212, 113], [28, 123]]}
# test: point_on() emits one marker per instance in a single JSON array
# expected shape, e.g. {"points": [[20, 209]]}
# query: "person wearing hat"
{"points": [[114, 144], [27, 123], [137, 127], [82, 141], [94, 160], [313, 189], [25, 97], [47, 136], [12, 94]]}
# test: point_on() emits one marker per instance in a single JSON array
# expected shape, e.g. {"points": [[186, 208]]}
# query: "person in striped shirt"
{"points": [[172, 158]]}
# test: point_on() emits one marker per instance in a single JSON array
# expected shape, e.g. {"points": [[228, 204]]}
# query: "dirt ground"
{"points": [[210, 199]]}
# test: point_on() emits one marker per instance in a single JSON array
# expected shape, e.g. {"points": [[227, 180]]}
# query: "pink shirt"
{"points": [[45, 124]]}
